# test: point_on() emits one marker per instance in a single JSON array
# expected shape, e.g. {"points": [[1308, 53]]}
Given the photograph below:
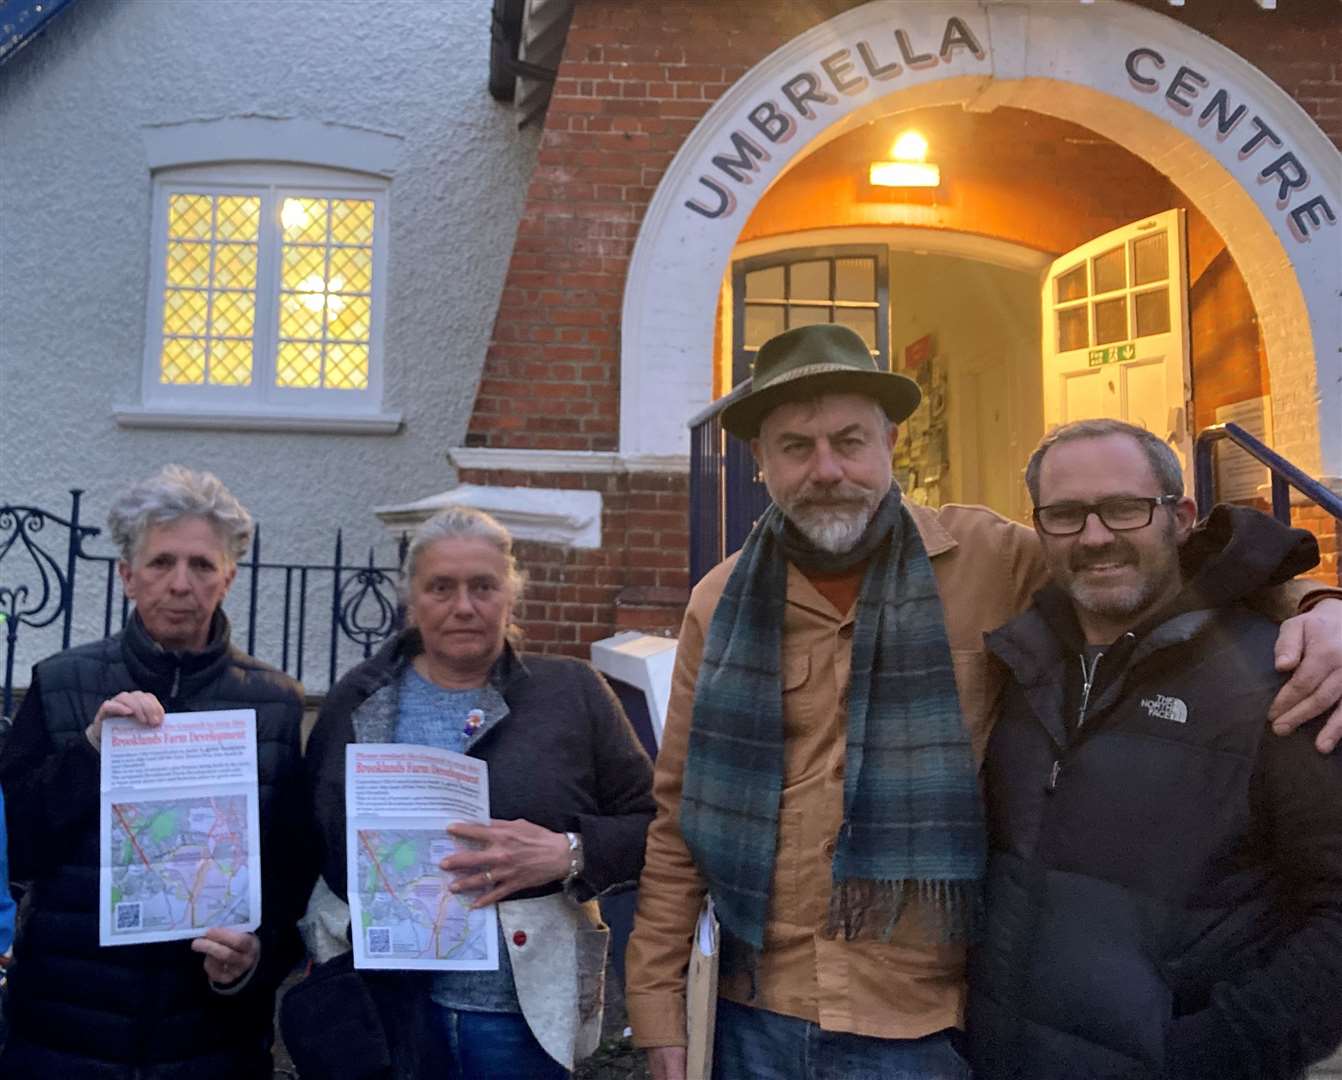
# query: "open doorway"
{"points": [[1052, 275]]}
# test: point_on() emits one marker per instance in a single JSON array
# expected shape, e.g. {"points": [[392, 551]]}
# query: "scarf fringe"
{"points": [[868, 910]]}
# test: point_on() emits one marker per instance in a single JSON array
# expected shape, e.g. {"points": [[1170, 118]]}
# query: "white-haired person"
{"points": [[201, 1009], [570, 800]]}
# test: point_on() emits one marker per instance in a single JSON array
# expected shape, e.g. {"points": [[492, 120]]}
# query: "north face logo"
{"points": [[1166, 708]]}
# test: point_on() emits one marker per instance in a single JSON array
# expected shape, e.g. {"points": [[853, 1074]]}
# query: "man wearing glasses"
{"points": [[1165, 875]]}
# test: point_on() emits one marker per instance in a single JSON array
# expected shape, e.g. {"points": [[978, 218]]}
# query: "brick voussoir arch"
{"points": [[1238, 145]]}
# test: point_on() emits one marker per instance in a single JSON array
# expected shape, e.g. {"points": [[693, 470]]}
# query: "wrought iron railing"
{"points": [[1285, 475], [356, 604]]}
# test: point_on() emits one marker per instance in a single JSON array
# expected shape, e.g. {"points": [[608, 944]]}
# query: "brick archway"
{"points": [[1244, 152]]}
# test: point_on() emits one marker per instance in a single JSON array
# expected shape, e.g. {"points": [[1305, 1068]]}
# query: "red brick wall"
{"points": [[1296, 46], [638, 579], [635, 78]]}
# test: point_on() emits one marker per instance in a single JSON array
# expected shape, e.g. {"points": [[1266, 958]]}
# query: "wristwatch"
{"points": [[575, 857]]}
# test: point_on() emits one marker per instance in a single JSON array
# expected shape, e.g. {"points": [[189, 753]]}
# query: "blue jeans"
{"points": [[492, 1046], [753, 1044]]}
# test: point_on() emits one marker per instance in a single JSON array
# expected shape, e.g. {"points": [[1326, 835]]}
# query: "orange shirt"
{"points": [[839, 589]]}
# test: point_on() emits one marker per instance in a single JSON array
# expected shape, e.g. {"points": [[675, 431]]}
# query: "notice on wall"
{"points": [[399, 800], [179, 836], [1239, 475]]}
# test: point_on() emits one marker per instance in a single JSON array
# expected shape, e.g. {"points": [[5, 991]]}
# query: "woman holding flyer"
{"points": [[569, 802]]}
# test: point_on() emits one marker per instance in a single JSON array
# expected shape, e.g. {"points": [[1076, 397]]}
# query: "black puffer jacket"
{"points": [[82, 1011], [1165, 884]]}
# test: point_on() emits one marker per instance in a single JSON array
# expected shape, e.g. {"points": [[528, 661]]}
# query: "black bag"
{"points": [[331, 1026]]}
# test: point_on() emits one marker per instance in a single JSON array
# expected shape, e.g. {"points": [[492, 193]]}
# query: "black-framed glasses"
{"points": [[1121, 514]]}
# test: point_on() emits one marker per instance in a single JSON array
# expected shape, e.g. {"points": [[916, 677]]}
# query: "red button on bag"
{"points": [[519, 938]]}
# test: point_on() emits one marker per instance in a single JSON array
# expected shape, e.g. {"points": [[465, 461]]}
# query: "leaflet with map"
{"points": [[399, 800], [179, 837]]}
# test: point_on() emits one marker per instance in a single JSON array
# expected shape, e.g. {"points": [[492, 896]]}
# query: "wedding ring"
{"points": [[489, 876]]}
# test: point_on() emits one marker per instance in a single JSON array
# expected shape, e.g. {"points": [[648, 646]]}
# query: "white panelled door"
{"points": [[1115, 331]]}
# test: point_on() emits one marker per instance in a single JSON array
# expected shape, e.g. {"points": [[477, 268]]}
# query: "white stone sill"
{"points": [[137, 416]]}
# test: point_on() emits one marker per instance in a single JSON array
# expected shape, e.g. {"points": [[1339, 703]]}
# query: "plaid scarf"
{"points": [[912, 811]]}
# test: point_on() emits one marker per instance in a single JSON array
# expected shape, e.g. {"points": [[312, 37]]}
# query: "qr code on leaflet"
{"points": [[379, 940], [128, 916]]}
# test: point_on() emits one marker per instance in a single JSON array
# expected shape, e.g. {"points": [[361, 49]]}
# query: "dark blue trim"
{"points": [[23, 20]]}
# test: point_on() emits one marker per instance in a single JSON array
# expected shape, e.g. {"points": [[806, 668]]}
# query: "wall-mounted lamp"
{"points": [[909, 168]]}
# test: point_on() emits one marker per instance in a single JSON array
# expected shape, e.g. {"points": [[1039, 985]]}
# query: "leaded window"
{"points": [[266, 290]]}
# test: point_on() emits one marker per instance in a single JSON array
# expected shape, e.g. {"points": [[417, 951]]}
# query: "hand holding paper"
{"points": [[512, 856], [136, 705], [229, 955]]}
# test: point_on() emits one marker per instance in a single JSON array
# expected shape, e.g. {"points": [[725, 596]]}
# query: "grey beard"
{"points": [[833, 530]]}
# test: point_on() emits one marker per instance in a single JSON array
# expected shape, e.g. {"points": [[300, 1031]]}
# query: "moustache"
{"points": [[845, 495], [1119, 554]]}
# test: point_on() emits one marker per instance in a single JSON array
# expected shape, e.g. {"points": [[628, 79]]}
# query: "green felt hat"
{"points": [[810, 361]]}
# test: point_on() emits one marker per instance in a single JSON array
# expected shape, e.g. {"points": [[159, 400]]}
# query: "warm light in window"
{"points": [[910, 146], [313, 291], [904, 174], [295, 215]]}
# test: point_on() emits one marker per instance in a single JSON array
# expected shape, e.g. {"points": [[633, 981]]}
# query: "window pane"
{"points": [[1108, 271], [327, 284], [765, 284], [301, 315], [184, 311], [1152, 312], [231, 363], [1072, 329], [347, 317], [806, 316], [810, 281], [1150, 259], [188, 264], [351, 269], [299, 364], [189, 216], [863, 320], [207, 328], [347, 367], [352, 221], [231, 315], [234, 266], [763, 321], [304, 220], [304, 267], [855, 279], [1070, 286], [182, 361], [239, 217], [1111, 320]]}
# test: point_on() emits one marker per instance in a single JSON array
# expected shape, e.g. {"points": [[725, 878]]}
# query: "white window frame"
{"points": [[262, 403]]}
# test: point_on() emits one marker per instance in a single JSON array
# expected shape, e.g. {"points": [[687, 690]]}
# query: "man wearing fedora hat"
{"points": [[818, 770]]}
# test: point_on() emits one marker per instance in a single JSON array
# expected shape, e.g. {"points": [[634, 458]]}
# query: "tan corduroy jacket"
{"points": [[986, 568]]}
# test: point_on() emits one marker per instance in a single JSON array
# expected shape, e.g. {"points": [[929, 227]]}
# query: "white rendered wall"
{"points": [[75, 194]]}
